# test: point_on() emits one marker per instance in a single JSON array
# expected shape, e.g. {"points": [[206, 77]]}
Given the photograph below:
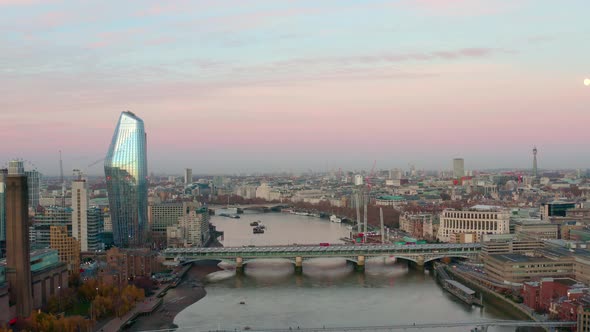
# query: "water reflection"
{"points": [[329, 291]]}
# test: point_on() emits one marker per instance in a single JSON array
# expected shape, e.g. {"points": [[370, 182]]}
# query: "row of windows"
{"points": [[471, 215]]}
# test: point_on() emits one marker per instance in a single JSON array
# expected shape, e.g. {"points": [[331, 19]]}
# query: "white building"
{"points": [[87, 222], [358, 180], [458, 167], [263, 191], [80, 212], [195, 227], [246, 191], [479, 220]]}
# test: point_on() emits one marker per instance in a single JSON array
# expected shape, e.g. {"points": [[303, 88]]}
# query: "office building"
{"points": [[509, 244], [479, 220], [68, 247], [188, 176], [166, 214], [195, 227], [126, 177], [87, 222], [458, 168], [535, 228], [39, 230], [33, 181], [95, 222], [516, 269], [556, 209], [17, 241], [34, 187], [358, 180], [79, 211]]}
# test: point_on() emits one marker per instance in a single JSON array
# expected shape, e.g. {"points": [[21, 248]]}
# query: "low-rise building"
{"points": [[387, 200], [123, 265], [48, 277], [516, 268], [415, 224], [162, 215], [536, 228]]}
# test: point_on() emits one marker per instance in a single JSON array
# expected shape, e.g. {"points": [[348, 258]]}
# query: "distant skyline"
{"points": [[231, 86]]}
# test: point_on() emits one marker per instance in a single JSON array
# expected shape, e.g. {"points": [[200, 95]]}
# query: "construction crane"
{"points": [[96, 162], [366, 197], [63, 182]]}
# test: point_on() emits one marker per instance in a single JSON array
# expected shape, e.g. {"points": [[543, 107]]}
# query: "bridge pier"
{"points": [[419, 264], [298, 265], [360, 265], [239, 265]]}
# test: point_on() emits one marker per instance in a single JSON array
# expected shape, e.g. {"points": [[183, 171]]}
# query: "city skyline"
{"points": [[273, 85]]}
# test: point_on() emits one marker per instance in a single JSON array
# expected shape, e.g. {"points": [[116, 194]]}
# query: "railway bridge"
{"points": [[240, 256]]}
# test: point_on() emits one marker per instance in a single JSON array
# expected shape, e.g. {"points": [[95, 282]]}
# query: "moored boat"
{"points": [[335, 219]]}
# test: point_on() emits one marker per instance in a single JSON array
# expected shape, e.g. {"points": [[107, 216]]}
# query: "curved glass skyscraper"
{"points": [[126, 174]]}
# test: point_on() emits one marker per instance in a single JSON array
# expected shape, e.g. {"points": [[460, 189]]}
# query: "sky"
{"points": [[228, 86]]}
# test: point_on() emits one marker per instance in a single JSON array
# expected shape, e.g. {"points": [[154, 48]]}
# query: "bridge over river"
{"points": [[417, 254]]}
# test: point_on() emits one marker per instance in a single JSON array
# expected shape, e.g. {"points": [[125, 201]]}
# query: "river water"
{"points": [[329, 293]]}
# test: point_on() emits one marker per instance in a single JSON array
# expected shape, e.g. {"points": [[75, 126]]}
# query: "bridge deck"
{"points": [[327, 251]]}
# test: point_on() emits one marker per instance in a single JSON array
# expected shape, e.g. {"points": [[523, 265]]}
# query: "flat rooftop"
{"points": [[517, 258], [481, 207], [460, 286]]}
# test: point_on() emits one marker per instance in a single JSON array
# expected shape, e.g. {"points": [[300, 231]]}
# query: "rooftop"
{"points": [[460, 286], [391, 198], [517, 258], [480, 207]]}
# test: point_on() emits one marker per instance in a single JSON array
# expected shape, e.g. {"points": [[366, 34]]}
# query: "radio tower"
{"points": [[535, 162]]}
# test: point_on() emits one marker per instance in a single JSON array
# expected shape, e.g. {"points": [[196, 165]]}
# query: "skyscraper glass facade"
{"points": [[33, 181], [126, 176]]}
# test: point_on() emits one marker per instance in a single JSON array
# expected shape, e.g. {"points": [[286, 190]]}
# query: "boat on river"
{"points": [[335, 219]]}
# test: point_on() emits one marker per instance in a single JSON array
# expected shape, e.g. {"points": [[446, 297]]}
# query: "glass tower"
{"points": [[126, 174]]}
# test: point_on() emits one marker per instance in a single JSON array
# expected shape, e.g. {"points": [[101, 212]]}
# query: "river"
{"points": [[329, 293]]}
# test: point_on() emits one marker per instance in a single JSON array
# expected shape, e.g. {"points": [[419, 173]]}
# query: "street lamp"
{"points": [[59, 298]]}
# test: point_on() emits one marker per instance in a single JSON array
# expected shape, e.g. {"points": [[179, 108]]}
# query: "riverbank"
{"points": [[491, 296], [189, 290]]}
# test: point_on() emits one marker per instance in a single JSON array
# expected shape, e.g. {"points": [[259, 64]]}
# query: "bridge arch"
{"points": [[250, 260], [430, 259], [218, 260]]}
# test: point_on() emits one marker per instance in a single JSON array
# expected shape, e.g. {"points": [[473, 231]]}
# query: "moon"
{"points": [[587, 82]]}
